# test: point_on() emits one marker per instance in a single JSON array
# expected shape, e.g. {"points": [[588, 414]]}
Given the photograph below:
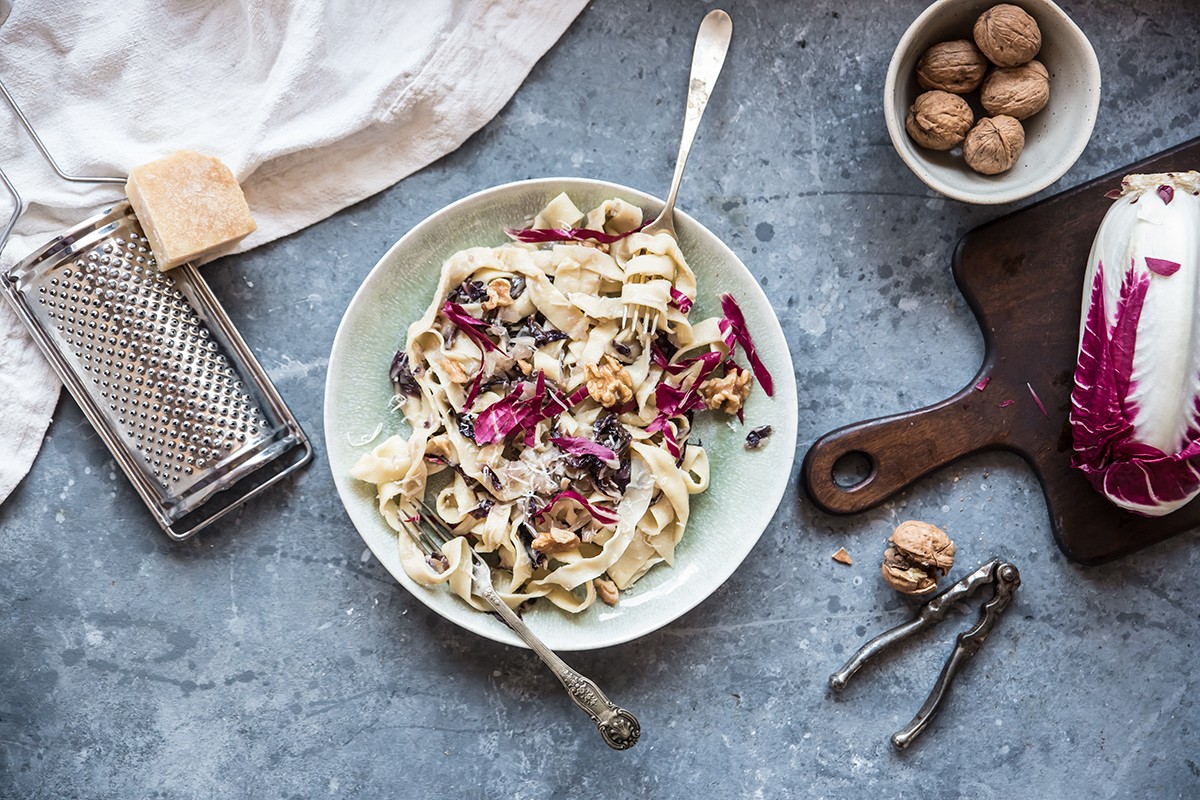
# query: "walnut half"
{"points": [[498, 295], [609, 383], [607, 591], [555, 540], [727, 393]]}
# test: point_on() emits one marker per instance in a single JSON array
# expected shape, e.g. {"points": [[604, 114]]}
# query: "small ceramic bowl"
{"points": [[1054, 137]]}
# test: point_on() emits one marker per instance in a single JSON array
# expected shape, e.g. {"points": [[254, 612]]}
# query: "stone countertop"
{"points": [[274, 657]]}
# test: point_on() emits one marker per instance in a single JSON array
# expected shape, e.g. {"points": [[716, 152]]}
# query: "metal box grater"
{"points": [[158, 369]]}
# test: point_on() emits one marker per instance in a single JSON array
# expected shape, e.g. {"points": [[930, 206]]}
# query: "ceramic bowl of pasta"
{"points": [[606, 417]]}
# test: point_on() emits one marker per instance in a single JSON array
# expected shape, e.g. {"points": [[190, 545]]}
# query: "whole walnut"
{"points": [[1019, 92], [994, 145], [938, 120], [1007, 35], [918, 552], [955, 66]]}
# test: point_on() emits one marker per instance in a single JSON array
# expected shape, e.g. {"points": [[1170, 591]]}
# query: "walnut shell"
{"points": [[904, 576], [924, 544], [955, 66], [938, 120], [1007, 35], [994, 145], [1019, 92]]}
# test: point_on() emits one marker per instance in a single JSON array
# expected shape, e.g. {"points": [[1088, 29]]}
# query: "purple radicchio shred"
{"points": [[1167, 193], [1041, 406], [609, 432], [472, 327], [1113, 194], [466, 426], [579, 446], [516, 286], [480, 511], [1005, 403], [544, 235], [540, 335], [622, 349], [603, 515], [403, 381], [735, 330], [756, 438], [469, 291], [681, 300], [493, 479], [476, 385], [983, 382], [664, 346], [521, 414], [1162, 266]]}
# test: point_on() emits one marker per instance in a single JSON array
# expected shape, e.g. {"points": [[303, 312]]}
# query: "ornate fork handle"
{"points": [[619, 728]]}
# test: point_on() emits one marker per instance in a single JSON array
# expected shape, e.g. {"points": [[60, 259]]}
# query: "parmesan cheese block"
{"points": [[189, 205]]}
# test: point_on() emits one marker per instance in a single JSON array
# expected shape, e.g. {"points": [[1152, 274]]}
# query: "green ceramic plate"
{"points": [[726, 520]]}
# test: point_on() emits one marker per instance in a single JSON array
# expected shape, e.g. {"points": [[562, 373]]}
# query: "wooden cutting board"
{"points": [[1023, 277]]}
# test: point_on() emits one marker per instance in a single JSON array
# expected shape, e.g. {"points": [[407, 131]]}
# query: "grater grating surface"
{"points": [[158, 368]]}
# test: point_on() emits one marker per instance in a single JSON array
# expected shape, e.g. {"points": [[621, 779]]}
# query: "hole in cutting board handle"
{"points": [[853, 470]]}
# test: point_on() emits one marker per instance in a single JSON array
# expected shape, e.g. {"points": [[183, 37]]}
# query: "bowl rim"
{"points": [[1078, 144]]}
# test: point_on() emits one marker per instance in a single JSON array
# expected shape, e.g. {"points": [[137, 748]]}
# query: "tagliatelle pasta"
{"points": [[550, 387]]}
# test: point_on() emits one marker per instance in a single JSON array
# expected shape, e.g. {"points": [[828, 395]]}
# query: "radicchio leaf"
{"points": [[579, 446], [1161, 266], [1041, 406], [734, 328], [681, 300], [756, 437], [983, 382], [542, 235], [1167, 193], [469, 325], [520, 413], [603, 515], [402, 378]]}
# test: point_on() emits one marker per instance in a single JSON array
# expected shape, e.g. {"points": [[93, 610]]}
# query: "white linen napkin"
{"points": [[313, 105]]}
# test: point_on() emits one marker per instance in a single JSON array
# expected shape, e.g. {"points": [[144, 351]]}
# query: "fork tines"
{"points": [[430, 533]]}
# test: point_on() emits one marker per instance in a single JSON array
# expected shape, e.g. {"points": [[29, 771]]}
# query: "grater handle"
{"points": [[37, 140], [19, 204]]}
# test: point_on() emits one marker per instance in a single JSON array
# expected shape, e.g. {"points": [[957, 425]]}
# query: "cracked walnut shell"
{"points": [[924, 544], [900, 574], [938, 120], [955, 66], [1020, 92], [994, 145], [1007, 35], [918, 552]]}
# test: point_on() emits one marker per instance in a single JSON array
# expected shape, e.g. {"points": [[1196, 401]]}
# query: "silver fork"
{"points": [[708, 56], [619, 728]]}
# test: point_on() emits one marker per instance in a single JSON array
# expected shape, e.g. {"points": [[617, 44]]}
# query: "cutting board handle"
{"points": [[900, 449]]}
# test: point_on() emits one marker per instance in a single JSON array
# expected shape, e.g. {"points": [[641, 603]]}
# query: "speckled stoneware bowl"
{"points": [[1054, 137], [726, 521]]}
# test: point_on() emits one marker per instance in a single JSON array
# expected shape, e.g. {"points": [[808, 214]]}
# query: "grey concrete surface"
{"points": [[274, 658]]}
